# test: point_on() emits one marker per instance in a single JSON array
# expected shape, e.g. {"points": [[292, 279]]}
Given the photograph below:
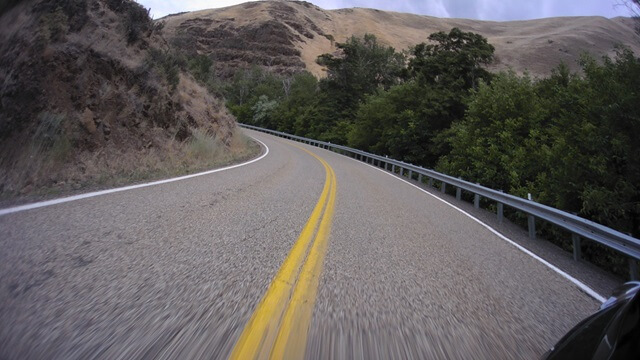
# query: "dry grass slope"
{"points": [[535, 46], [85, 103]]}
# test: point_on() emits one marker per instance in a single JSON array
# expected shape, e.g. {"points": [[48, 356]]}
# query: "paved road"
{"points": [[177, 270]]}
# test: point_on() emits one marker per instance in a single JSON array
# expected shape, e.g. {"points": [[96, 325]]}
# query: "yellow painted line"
{"points": [[264, 327], [292, 338]]}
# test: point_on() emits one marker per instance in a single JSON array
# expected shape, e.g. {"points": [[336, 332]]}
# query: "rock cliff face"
{"points": [[288, 36], [83, 95]]}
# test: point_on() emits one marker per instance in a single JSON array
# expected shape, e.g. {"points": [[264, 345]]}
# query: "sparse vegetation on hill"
{"points": [[92, 96], [287, 37]]}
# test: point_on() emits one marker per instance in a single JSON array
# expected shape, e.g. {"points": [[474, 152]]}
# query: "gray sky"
{"points": [[498, 10]]}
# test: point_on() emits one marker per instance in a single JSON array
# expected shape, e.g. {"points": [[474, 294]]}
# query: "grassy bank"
{"points": [[45, 171]]}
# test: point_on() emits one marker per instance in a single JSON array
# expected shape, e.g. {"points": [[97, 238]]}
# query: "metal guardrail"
{"points": [[577, 226]]}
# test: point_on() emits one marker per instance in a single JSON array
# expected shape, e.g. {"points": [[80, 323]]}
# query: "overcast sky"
{"points": [[498, 10]]}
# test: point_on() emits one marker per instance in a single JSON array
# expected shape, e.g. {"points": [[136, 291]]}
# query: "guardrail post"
{"points": [[420, 178], [633, 269], [577, 250], [458, 193], [532, 226], [500, 212], [430, 182], [393, 168], [410, 175], [476, 201], [443, 187], [401, 171]]}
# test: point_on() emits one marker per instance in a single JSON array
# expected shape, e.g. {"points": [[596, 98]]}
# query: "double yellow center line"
{"points": [[279, 325]]}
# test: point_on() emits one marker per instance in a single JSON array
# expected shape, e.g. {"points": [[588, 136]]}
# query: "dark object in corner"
{"points": [[613, 332]]}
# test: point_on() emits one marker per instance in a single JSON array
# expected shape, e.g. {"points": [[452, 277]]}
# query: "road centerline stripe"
{"points": [[292, 338], [263, 328]]}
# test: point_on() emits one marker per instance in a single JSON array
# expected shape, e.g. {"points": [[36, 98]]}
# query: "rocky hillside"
{"points": [[288, 36], [89, 92]]}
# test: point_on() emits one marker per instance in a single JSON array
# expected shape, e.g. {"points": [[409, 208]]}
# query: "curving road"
{"points": [[181, 270]]}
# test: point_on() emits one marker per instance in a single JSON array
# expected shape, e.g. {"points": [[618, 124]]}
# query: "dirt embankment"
{"points": [[270, 39], [89, 98], [288, 36]]}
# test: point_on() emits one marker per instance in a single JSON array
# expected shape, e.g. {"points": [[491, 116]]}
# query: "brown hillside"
{"points": [[288, 36], [84, 101]]}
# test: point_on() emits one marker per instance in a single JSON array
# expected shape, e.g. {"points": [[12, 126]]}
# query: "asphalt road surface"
{"points": [[237, 263]]}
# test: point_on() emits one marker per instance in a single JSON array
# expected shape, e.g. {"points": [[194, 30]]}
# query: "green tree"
{"points": [[455, 59], [441, 73], [611, 195], [364, 67], [569, 140], [245, 89], [301, 93], [263, 110], [499, 141]]}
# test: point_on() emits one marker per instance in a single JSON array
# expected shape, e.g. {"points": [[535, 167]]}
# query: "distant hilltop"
{"points": [[287, 36]]}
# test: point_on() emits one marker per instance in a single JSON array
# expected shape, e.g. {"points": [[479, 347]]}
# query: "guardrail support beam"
{"points": [[577, 249], [476, 201], [532, 227], [443, 187], [410, 175], [458, 193], [500, 213], [420, 178], [393, 168]]}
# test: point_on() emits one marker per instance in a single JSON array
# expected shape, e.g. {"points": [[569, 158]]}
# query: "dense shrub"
{"points": [[54, 26], [200, 67], [74, 10], [168, 63], [135, 18]]}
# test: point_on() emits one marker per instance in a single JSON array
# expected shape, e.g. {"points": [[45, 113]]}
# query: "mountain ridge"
{"points": [[534, 46]]}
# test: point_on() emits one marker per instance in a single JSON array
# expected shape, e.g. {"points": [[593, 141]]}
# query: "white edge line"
{"points": [[125, 188], [589, 291]]}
